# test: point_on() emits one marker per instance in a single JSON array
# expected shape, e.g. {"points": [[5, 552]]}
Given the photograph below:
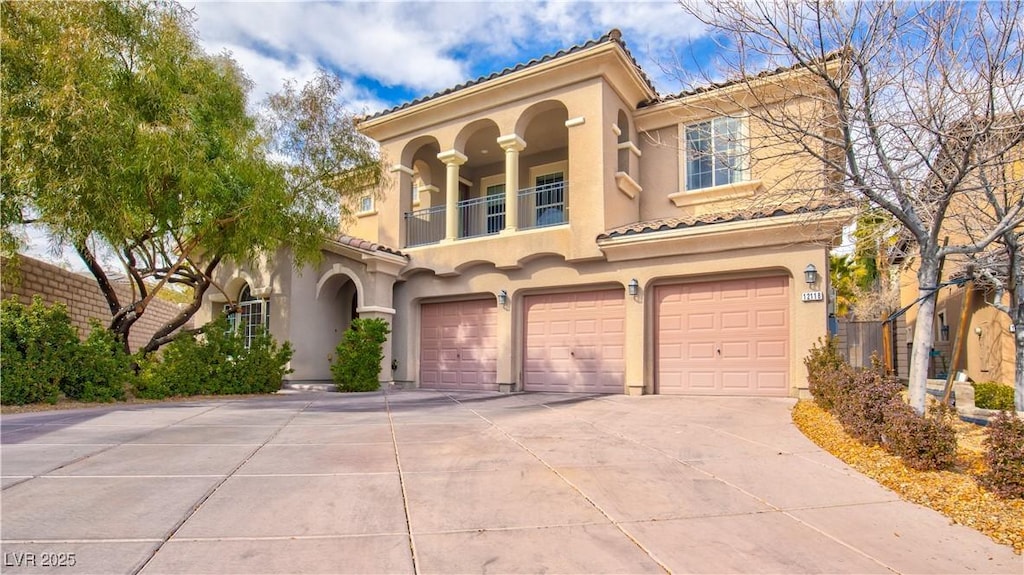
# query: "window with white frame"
{"points": [[716, 153], [251, 317], [366, 204]]}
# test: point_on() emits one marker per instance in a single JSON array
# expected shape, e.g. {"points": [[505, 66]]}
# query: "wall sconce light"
{"points": [[633, 287], [810, 274], [503, 298], [977, 331]]}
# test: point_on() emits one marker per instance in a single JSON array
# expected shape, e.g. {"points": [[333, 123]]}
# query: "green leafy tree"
{"points": [[120, 135]]}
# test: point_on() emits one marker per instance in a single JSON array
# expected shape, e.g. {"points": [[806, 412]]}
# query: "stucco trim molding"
{"points": [[376, 309], [401, 168], [735, 191], [627, 185], [780, 230], [577, 121]]}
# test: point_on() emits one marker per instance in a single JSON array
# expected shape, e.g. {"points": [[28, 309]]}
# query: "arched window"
{"points": [[252, 316]]}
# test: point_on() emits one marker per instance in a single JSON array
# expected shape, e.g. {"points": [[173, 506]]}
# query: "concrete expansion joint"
{"points": [[618, 525], [401, 482], [209, 492], [95, 453]]}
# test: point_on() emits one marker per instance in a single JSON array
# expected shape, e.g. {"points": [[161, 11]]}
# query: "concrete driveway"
{"points": [[430, 482]]}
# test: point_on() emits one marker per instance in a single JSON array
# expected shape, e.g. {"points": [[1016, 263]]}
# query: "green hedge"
{"points": [[44, 360], [215, 363], [40, 349], [993, 395], [357, 360]]}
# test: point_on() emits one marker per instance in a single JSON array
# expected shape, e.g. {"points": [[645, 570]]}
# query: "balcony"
{"points": [[543, 206], [424, 227], [538, 207]]}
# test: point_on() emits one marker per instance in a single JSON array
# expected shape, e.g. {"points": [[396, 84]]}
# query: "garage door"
{"points": [[458, 345], [574, 342], [723, 338]]}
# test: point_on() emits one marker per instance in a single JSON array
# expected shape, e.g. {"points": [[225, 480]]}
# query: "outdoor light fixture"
{"points": [[977, 331], [811, 274], [634, 287], [503, 298]]}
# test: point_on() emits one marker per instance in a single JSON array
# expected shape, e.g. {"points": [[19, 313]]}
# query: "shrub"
{"points": [[357, 360], [215, 363], [39, 349], [827, 373], [993, 395], [1005, 456], [862, 403], [103, 369], [924, 443]]}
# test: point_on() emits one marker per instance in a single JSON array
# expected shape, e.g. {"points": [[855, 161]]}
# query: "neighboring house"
{"points": [[559, 226], [987, 348], [987, 352]]}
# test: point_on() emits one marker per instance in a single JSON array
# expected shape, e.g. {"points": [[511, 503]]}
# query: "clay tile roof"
{"points": [[833, 55], [614, 35], [680, 223], [364, 245]]}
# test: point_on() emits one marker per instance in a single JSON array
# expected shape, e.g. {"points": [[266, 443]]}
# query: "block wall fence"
{"points": [[83, 298]]}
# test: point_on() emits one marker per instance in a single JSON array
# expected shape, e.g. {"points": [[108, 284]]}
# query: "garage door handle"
{"points": [[719, 351], [572, 353]]}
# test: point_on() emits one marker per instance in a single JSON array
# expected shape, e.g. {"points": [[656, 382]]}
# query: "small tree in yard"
{"points": [[357, 359], [121, 136], [925, 99]]}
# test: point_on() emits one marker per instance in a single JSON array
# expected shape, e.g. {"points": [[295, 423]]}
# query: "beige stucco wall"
{"points": [[312, 306], [547, 274]]}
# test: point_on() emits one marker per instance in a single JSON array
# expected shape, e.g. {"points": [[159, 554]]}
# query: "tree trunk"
{"points": [[927, 279], [1018, 370], [166, 332]]}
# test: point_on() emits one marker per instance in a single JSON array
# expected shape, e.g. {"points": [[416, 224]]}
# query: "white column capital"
{"points": [[453, 157], [512, 142]]}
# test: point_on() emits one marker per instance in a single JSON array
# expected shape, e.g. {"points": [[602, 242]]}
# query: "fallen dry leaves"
{"points": [[953, 493]]}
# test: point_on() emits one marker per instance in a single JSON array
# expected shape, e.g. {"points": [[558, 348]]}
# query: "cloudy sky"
{"points": [[392, 52]]}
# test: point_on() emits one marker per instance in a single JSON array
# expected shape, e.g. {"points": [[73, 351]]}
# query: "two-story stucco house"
{"points": [[559, 226]]}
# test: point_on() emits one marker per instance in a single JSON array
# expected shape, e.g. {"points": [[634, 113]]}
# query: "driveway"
{"points": [[430, 482]]}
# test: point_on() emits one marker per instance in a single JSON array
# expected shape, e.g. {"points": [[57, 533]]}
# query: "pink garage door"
{"points": [[723, 338], [574, 342], [458, 345]]}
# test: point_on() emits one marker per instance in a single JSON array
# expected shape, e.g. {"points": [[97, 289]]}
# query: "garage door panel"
{"points": [[701, 350], [772, 380], [736, 350], [458, 345], [735, 320], [700, 321], [580, 338], [771, 318], [734, 335]]}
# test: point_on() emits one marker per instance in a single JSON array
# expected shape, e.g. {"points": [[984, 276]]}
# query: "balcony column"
{"points": [[452, 160], [512, 144]]}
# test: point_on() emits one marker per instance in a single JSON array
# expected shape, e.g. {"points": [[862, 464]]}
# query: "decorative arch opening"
{"points": [[422, 197], [543, 197], [624, 138]]}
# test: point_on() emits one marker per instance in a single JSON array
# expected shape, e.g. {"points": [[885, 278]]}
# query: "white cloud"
{"points": [[428, 46]]}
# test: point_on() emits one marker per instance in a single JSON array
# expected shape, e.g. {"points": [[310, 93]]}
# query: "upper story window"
{"points": [[365, 204], [716, 153]]}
